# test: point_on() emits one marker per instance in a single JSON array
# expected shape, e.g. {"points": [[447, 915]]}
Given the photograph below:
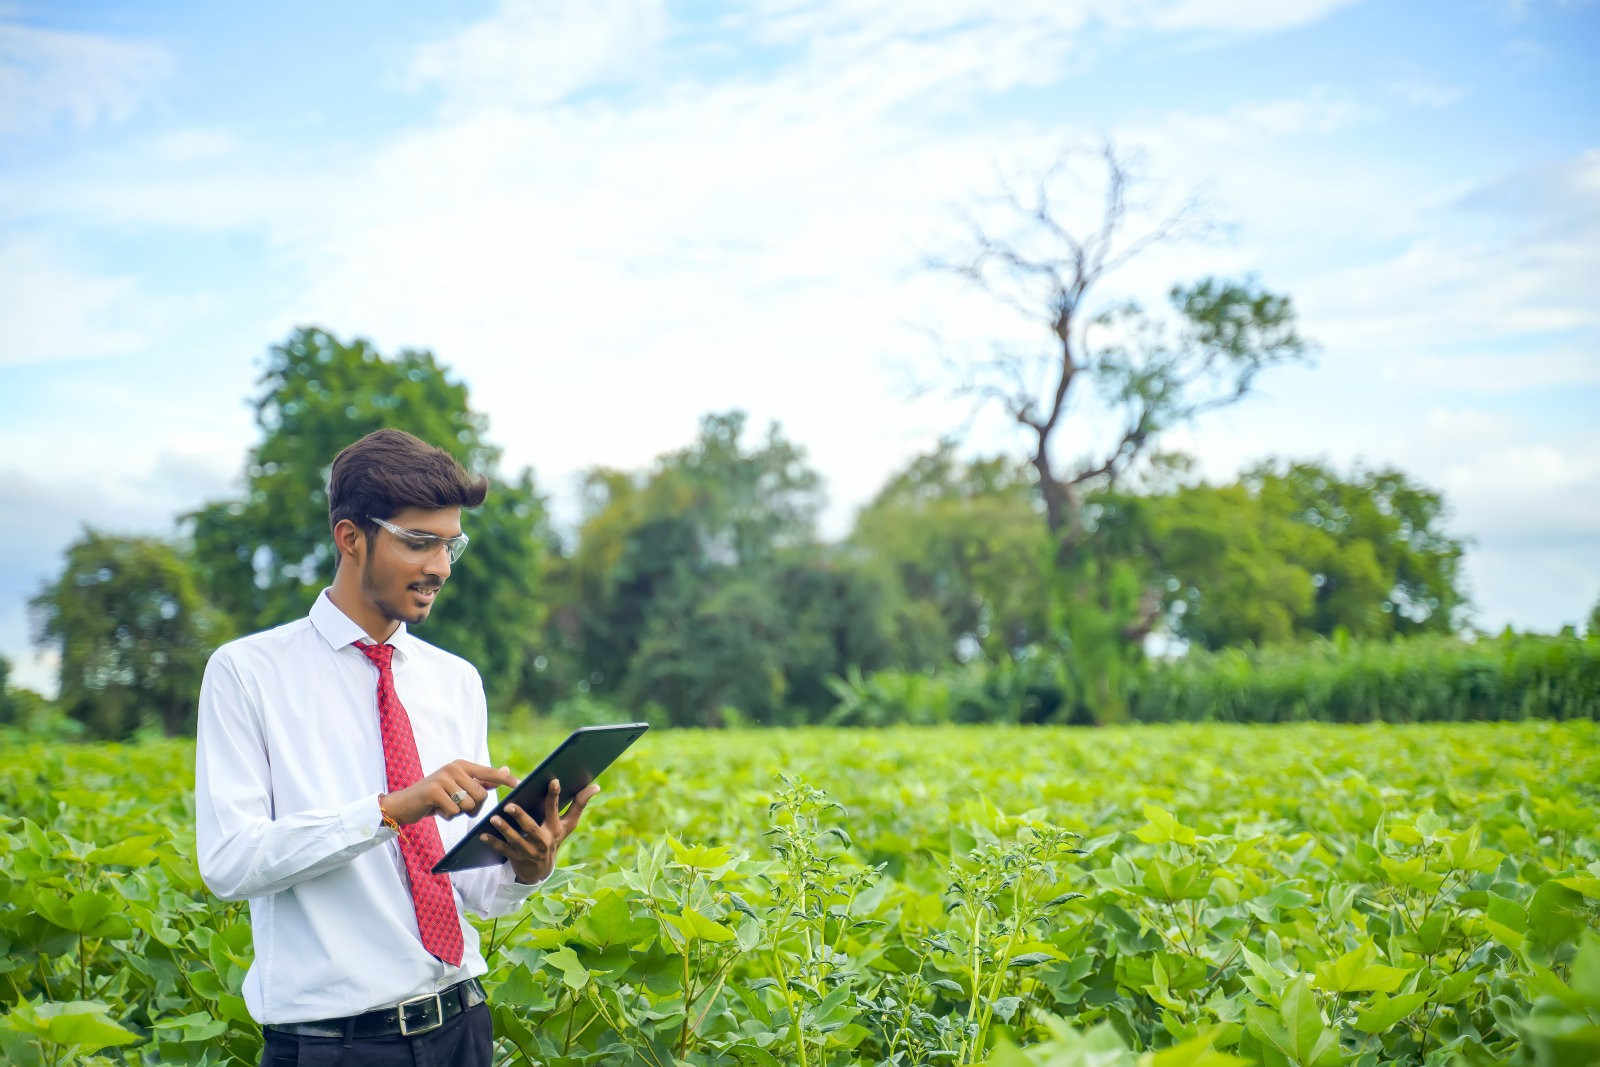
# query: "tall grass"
{"points": [[1423, 679]]}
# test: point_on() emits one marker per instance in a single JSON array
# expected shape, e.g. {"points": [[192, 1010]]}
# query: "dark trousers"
{"points": [[465, 1041]]}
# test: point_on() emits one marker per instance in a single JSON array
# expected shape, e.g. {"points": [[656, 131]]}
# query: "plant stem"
{"points": [[1000, 967], [566, 1038], [719, 976], [1177, 924], [497, 946], [977, 968], [599, 1006], [688, 996], [788, 1000], [529, 1060]]}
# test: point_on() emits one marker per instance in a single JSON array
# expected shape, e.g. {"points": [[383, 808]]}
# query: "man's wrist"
{"points": [[384, 818], [534, 877]]}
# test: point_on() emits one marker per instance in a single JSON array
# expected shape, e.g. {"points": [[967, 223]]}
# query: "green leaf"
{"points": [[573, 973], [1310, 1042], [1587, 884], [1555, 914], [1162, 828], [1195, 1052], [833, 1011], [1356, 971], [82, 1025], [1430, 935], [1006, 1007], [196, 1026], [611, 921], [1385, 1011], [1586, 972], [700, 856], [1507, 913], [696, 927], [1029, 959], [1176, 883], [89, 914], [133, 852]]}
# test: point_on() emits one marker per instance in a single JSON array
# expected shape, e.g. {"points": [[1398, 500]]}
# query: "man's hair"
{"points": [[390, 470]]}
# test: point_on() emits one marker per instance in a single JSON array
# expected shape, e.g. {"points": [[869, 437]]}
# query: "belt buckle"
{"points": [[438, 1014]]}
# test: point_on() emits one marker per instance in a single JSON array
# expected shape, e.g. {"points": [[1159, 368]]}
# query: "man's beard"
{"points": [[390, 612]]}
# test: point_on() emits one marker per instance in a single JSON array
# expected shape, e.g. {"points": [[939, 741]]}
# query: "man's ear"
{"points": [[349, 541]]}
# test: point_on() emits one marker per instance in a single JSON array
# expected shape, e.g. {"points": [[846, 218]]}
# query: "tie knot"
{"points": [[380, 655]]}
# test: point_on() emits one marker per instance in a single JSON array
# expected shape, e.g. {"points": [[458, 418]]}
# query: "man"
{"points": [[310, 797]]}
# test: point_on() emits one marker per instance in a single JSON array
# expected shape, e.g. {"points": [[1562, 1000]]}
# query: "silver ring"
{"points": [[458, 796]]}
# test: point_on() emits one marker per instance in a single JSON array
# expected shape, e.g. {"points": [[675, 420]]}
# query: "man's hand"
{"points": [[531, 846], [441, 793]]}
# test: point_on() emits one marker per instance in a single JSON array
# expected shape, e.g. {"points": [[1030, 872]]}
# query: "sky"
{"points": [[610, 218]]}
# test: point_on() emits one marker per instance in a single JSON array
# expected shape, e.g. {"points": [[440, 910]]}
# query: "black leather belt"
{"points": [[408, 1018]]}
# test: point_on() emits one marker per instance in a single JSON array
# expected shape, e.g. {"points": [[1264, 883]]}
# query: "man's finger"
{"points": [[486, 775], [442, 802], [552, 801], [475, 794], [579, 802], [508, 831], [530, 829], [462, 789]]}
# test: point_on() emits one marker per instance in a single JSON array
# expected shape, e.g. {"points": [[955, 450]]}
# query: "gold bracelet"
{"points": [[388, 820]]}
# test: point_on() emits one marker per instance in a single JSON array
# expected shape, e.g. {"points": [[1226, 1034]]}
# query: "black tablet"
{"points": [[577, 761]]}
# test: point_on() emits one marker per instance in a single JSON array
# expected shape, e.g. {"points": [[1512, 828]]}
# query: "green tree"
{"points": [[963, 539], [699, 585], [705, 649], [1592, 628], [1384, 513], [1109, 377], [1293, 550], [133, 633], [665, 536], [264, 556], [8, 702]]}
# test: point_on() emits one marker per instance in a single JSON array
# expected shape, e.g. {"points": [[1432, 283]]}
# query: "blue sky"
{"points": [[611, 217]]}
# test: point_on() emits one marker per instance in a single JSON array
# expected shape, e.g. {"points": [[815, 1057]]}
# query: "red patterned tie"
{"points": [[420, 846]]}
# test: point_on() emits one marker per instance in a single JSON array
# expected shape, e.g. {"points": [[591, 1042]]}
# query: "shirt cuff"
{"points": [[510, 893], [362, 820]]}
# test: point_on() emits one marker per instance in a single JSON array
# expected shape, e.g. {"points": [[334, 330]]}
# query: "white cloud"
{"points": [[1522, 581], [1255, 15], [1423, 93], [871, 22], [50, 311], [184, 146], [1516, 256], [1502, 372], [87, 78], [533, 52]]}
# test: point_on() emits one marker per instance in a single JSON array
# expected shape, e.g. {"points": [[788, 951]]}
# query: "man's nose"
{"points": [[438, 564]]}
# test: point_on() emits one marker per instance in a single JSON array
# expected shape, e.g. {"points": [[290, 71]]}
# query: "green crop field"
{"points": [[1309, 895]]}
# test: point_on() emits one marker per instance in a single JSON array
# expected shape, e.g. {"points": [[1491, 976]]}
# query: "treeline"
{"points": [[1415, 679], [699, 592]]}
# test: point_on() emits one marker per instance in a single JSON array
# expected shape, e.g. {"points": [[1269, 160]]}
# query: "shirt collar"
{"points": [[340, 630]]}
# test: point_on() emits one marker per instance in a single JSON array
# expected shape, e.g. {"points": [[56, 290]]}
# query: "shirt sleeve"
{"points": [[489, 892], [243, 849]]}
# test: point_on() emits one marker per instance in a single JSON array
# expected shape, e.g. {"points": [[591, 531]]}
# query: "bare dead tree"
{"points": [[1142, 371]]}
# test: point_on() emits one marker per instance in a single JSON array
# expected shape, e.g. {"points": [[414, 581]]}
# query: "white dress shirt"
{"points": [[288, 770]]}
